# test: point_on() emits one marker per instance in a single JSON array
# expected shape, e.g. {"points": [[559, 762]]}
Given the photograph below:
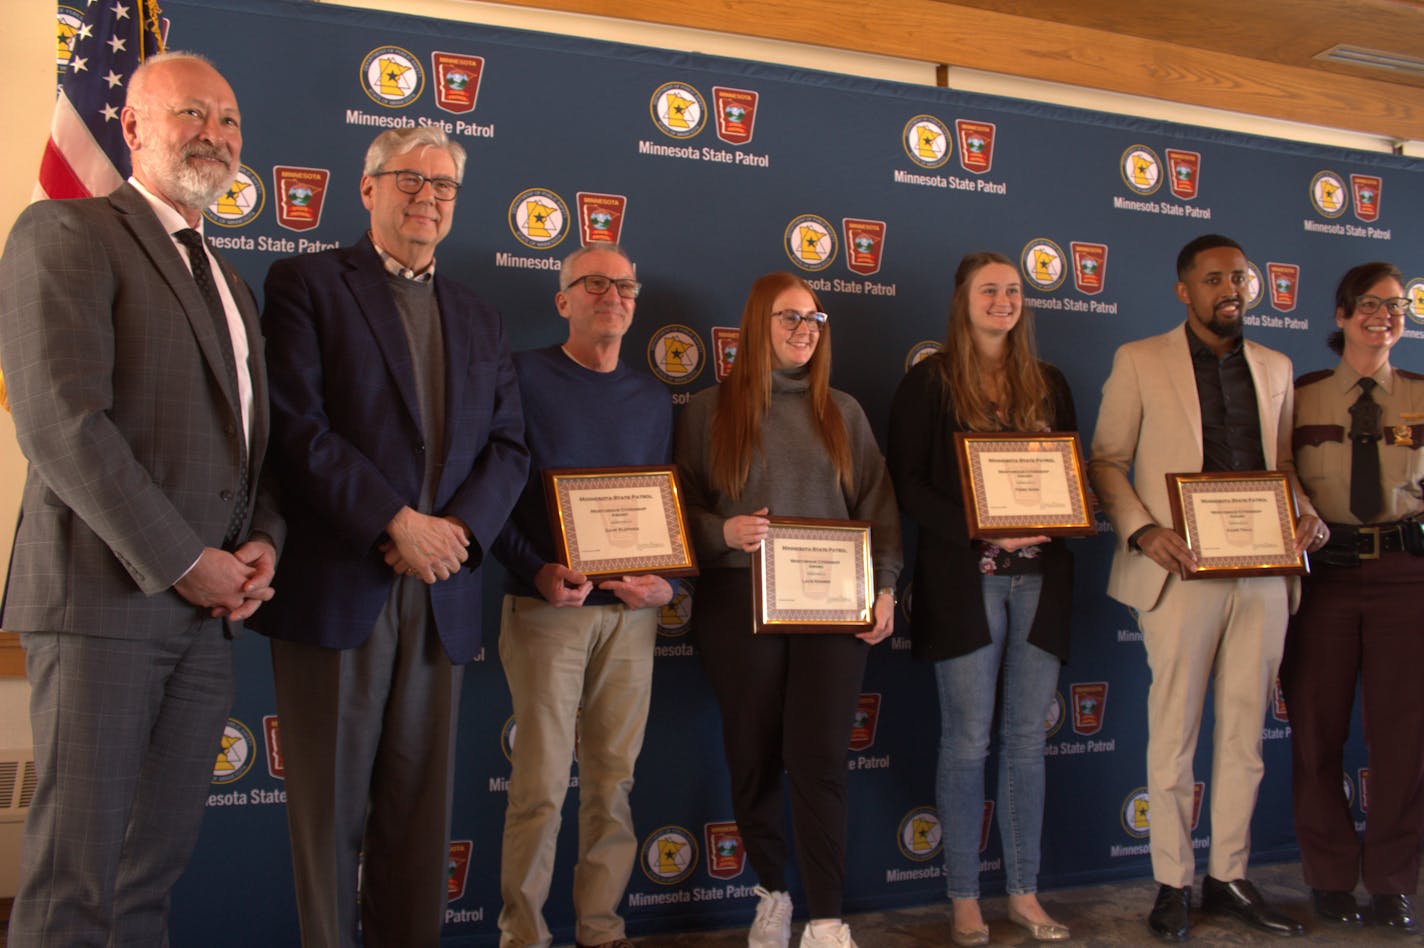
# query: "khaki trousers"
{"points": [[583, 671], [1228, 633]]}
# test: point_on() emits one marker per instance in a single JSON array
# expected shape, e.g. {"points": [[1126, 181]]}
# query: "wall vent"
{"points": [[1374, 59]]}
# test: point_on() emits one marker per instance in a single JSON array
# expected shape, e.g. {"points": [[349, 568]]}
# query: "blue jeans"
{"points": [[967, 687]]}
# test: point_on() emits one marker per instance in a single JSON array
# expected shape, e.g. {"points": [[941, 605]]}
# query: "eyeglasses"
{"points": [[410, 182], [598, 284], [790, 319], [1398, 305]]}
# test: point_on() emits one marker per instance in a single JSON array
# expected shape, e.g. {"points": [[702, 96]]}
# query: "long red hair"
{"points": [[743, 399]]}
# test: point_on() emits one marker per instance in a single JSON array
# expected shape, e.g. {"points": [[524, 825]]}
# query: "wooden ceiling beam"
{"points": [[945, 33]]}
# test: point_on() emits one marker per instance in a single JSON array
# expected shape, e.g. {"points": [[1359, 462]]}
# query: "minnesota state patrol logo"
{"points": [[986, 821], [1414, 290], [1053, 720], [1278, 704], [675, 354], [1090, 703], [865, 244], [235, 752], [669, 855], [810, 242], [1364, 777], [927, 142], [1183, 172], [458, 869], [1198, 794], [1365, 189], [1255, 285], [1090, 266], [920, 835], [300, 193], [271, 735], [726, 854], [675, 616], [1328, 194], [976, 145], [392, 76], [1141, 169], [724, 349], [1284, 285], [600, 216], [863, 725], [678, 110], [1042, 264], [457, 80], [70, 22], [736, 114], [1136, 814], [919, 352], [241, 202], [538, 218]]}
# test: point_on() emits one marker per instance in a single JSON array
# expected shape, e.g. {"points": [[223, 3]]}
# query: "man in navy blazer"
{"points": [[396, 422]]}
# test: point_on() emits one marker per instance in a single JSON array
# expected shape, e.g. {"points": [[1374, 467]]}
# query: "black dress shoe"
{"points": [[1169, 917], [1336, 906], [1241, 899], [1395, 912]]}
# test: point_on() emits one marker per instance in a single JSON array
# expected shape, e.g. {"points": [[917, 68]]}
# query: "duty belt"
{"points": [[1350, 543]]}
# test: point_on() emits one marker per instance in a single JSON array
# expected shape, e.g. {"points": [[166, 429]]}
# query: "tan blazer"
{"points": [[1149, 423]]}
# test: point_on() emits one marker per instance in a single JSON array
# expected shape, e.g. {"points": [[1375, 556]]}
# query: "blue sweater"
{"points": [[576, 417]]}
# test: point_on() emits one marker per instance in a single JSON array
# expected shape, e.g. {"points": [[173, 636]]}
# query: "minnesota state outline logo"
{"points": [[69, 22], [538, 218], [920, 835], [1053, 720], [669, 855], [1414, 290], [927, 141], [1255, 285], [1141, 169], [1043, 264], [678, 110], [675, 617], [240, 202], [236, 750], [921, 351], [1328, 194], [810, 242], [392, 77], [675, 354], [1136, 814]]}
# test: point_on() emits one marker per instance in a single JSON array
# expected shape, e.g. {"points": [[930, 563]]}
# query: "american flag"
{"points": [[100, 48]]}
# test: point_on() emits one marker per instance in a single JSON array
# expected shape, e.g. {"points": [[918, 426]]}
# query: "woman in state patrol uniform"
{"points": [[1359, 452]]}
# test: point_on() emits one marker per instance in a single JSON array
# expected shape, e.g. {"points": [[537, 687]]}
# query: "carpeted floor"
{"points": [[1098, 915]]}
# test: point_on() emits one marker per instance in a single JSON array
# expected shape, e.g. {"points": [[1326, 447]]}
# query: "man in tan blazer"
{"points": [[135, 370], [1198, 398]]}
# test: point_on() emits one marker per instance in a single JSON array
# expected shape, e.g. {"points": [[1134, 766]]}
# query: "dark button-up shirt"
{"points": [[1231, 424]]}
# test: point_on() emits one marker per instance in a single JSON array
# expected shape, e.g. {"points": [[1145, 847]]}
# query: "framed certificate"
{"points": [[619, 521], [1017, 484], [1238, 524], [813, 576]]}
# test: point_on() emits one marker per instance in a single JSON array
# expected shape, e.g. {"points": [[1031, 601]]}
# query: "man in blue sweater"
{"points": [[565, 641]]}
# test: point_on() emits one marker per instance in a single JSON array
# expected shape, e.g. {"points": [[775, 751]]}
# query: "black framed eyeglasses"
{"points": [[1398, 305], [790, 319], [598, 284], [410, 182]]}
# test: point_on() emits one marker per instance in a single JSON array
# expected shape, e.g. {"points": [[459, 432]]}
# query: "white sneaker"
{"points": [[827, 936], [771, 928]]}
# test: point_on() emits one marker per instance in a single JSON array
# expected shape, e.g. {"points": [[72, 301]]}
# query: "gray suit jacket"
{"points": [[126, 415], [1149, 423]]}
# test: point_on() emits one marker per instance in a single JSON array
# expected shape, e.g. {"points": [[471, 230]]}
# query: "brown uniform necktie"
{"points": [[1365, 496], [203, 276]]}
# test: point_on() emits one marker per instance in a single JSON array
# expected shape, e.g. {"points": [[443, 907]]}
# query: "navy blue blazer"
{"points": [[349, 450]]}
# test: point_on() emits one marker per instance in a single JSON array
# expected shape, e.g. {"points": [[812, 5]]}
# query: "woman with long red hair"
{"points": [[776, 439]]}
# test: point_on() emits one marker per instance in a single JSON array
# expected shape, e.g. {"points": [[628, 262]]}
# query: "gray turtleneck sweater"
{"points": [[792, 475]]}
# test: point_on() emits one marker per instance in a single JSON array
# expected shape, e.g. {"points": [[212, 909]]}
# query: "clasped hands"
{"points": [[1169, 550], [429, 547]]}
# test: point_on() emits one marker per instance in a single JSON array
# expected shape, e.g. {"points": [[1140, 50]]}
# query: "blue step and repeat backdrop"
{"points": [[713, 172]]}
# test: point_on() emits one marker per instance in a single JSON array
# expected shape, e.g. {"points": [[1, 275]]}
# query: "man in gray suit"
{"points": [[136, 379], [1199, 397]]}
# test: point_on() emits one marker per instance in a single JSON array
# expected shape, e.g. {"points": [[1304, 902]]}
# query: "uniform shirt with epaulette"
{"points": [[1322, 440]]}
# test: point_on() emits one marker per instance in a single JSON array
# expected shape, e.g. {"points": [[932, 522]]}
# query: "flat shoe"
{"points": [[1041, 931], [969, 937]]}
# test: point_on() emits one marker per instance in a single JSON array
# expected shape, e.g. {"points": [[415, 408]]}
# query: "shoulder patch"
{"points": [[1310, 378]]}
